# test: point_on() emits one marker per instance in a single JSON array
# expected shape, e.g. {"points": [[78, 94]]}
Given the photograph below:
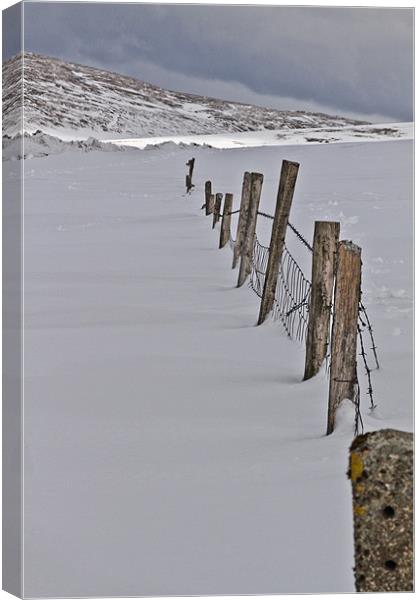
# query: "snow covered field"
{"points": [[277, 137], [170, 445]]}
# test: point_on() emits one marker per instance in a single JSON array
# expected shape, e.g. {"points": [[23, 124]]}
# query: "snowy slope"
{"points": [[74, 101], [255, 139], [171, 446], [40, 144]]}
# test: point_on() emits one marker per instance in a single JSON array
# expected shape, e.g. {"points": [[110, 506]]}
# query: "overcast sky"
{"points": [[355, 61]]}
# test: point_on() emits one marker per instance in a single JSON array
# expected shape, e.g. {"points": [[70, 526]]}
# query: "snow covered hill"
{"points": [[72, 101]]}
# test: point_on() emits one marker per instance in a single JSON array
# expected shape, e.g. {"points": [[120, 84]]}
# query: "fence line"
{"points": [[292, 300]]}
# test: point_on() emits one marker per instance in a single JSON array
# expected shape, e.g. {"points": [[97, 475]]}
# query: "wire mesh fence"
{"points": [[292, 294]]}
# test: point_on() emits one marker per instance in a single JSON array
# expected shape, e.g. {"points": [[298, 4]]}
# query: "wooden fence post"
{"points": [[188, 177], [242, 219], [287, 183], [343, 370], [326, 236], [381, 473], [227, 216], [211, 204], [217, 208], [207, 193], [251, 224]]}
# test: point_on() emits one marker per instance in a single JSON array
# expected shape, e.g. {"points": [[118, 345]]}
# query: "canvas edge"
{"points": [[12, 335]]}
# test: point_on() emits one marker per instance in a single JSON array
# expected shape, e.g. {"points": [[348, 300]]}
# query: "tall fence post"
{"points": [[326, 235], [287, 183], [250, 227], [216, 209], [343, 370], [381, 473], [207, 195], [242, 220], [227, 216]]}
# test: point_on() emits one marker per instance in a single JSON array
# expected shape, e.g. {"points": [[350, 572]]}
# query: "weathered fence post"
{"points": [[227, 216], [250, 227], [216, 209], [287, 183], [211, 204], [343, 370], [207, 194], [326, 235], [242, 219], [188, 177], [381, 472]]}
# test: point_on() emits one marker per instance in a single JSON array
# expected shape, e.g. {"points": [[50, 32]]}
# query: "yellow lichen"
{"points": [[359, 511], [356, 466], [359, 487]]}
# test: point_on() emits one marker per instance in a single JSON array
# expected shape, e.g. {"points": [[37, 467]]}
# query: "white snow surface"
{"points": [[171, 446], [41, 143], [279, 137]]}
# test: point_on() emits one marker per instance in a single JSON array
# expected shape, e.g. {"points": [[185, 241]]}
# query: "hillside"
{"points": [[68, 100]]}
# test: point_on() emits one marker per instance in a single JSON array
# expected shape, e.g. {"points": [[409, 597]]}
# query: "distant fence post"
{"points": [[211, 204], [343, 371], [217, 208], [287, 183], [326, 236], [250, 227], [381, 473], [243, 215], [207, 194], [227, 216], [188, 178]]}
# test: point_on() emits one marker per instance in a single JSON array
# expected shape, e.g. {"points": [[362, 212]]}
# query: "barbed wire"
{"points": [[292, 227], [300, 237], [368, 370], [232, 212], [357, 412], [266, 215], [367, 324]]}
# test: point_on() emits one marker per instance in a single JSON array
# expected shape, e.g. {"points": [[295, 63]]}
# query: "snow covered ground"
{"points": [[171, 446], [279, 137]]}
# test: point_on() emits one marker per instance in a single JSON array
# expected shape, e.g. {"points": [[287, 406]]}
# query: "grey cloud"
{"points": [[12, 30], [354, 59]]}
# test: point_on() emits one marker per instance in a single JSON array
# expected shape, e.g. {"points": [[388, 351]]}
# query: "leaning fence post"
{"points": [[243, 215], [287, 183], [207, 194], [250, 227], [227, 216], [216, 209], [381, 473], [326, 235], [343, 370]]}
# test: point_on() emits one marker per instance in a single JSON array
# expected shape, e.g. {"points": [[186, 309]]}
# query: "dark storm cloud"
{"points": [[12, 30], [354, 59]]}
